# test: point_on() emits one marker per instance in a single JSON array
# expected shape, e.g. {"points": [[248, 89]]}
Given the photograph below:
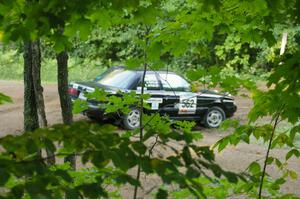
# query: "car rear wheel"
{"points": [[132, 119], [214, 117]]}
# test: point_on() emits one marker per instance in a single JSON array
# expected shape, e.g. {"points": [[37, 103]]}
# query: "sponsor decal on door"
{"points": [[187, 104], [154, 103]]}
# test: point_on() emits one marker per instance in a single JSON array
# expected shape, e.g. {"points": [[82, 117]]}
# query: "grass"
{"points": [[11, 68]]}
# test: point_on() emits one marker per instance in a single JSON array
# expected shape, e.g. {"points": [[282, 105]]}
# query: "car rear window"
{"points": [[119, 78]]}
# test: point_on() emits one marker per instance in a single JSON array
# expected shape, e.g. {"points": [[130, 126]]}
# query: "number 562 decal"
{"points": [[187, 104]]}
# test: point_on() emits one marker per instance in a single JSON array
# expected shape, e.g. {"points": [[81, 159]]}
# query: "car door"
{"points": [[179, 101], [154, 89]]}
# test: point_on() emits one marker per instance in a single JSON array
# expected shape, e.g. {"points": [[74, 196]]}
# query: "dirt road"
{"points": [[11, 115], [233, 158]]}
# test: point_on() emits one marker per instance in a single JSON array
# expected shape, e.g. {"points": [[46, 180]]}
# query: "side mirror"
{"points": [[227, 94]]}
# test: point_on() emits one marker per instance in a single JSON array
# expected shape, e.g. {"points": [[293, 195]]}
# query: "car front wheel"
{"points": [[132, 119], [214, 117]]}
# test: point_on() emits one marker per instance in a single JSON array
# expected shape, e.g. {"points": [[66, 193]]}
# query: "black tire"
{"points": [[214, 117], [93, 116], [131, 120]]}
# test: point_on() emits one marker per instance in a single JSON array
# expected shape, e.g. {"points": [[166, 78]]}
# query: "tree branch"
{"points": [[267, 156]]}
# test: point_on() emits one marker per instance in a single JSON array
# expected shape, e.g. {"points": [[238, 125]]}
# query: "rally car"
{"points": [[170, 95]]}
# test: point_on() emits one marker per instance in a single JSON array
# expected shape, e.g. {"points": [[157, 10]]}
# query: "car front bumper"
{"points": [[231, 110]]}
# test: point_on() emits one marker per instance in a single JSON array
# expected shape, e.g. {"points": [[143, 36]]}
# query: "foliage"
{"points": [[279, 102], [113, 41], [251, 57], [110, 46], [20, 161], [4, 99], [214, 78], [221, 188], [102, 147]]}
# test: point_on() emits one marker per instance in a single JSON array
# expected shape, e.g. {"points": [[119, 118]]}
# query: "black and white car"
{"points": [[170, 95]]}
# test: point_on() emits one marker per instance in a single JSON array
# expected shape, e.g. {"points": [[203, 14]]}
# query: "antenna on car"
{"points": [[167, 71]]}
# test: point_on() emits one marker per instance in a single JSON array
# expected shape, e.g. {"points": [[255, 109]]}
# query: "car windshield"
{"points": [[119, 78]]}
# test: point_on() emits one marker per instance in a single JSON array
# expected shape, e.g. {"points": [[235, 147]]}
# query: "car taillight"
{"points": [[73, 91]]}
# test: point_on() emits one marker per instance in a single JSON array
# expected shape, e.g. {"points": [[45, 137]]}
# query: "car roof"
{"points": [[140, 70]]}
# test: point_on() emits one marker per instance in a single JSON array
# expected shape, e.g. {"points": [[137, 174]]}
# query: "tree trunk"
{"points": [[38, 92], [38, 89], [63, 86], [65, 101], [34, 107], [30, 111]]}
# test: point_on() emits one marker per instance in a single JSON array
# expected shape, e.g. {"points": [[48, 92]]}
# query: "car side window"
{"points": [[173, 82], [151, 82]]}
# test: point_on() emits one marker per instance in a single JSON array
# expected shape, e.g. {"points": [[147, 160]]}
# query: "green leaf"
{"points": [[86, 157], [229, 123], [162, 194], [79, 106], [186, 155], [204, 151], [279, 181], [175, 160], [60, 42], [4, 177], [64, 174], [145, 164], [72, 194], [119, 161], [292, 152], [133, 63], [139, 147], [270, 160], [99, 95], [232, 177], [99, 159], [93, 190], [124, 178], [197, 135], [278, 163], [192, 172], [178, 47], [222, 143], [49, 145], [145, 15], [254, 168], [82, 25], [293, 175], [18, 191], [5, 99], [195, 75], [154, 51]]}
